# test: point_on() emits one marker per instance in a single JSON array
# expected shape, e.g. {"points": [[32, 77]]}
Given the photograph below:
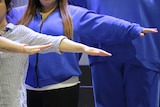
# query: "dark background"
{"points": [[86, 91]]}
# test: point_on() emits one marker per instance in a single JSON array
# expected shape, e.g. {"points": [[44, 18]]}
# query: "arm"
{"points": [[7, 45], [23, 34], [106, 29], [70, 46]]}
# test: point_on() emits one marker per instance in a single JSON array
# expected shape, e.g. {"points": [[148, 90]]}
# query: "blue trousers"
{"points": [[124, 85]]}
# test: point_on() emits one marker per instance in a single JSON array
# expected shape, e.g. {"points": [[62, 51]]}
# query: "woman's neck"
{"points": [[46, 9]]}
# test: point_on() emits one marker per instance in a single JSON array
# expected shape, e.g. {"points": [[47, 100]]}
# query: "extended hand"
{"points": [[96, 52], [148, 30], [36, 48]]}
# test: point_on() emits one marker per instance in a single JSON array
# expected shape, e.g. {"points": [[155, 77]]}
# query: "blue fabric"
{"points": [[131, 77], [54, 68], [124, 85], [144, 12], [15, 14]]}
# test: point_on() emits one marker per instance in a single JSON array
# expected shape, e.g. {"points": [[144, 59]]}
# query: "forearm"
{"points": [[7, 45], [70, 46]]}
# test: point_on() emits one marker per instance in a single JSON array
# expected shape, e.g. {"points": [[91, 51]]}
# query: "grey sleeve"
{"points": [[25, 35]]}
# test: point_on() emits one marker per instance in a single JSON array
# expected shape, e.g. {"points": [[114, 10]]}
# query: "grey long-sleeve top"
{"points": [[13, 67]]}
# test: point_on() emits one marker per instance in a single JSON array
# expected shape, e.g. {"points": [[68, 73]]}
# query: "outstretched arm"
{"points": [[7, 45], [71, 46]]}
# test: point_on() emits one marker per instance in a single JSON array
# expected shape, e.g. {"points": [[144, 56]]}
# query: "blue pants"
{"points": [[124, 85]]}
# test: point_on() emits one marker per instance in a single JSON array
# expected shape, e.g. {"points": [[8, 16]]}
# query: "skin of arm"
{"points": [[7, 45], [70, 46], [28, 36]]}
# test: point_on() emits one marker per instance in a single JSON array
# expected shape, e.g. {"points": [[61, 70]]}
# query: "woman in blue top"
{"points": [[48, 82], [130, 78], [14, 66]]}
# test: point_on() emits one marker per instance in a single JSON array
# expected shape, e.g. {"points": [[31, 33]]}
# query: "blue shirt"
{"points": [[89, 28], [145, 12]]}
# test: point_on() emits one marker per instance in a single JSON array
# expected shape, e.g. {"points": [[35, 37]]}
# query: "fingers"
{"points": [[97, 52], [149, 30], [104, 53], [36, 48], [33, 51], [141, 34], [41, 47]]}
